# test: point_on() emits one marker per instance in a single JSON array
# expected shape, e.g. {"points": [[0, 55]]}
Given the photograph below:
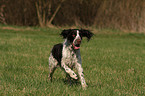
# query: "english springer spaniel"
{"points": [[67, 54]]}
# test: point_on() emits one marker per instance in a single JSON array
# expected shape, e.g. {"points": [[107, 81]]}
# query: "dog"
{"points": [[67, 54]]}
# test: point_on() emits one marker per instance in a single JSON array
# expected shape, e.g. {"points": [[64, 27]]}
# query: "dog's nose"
{"points": [[78, 41]]}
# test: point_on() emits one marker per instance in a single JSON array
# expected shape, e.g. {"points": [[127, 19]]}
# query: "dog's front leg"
{"points": [[81, 75], [80, 70], [68, 70]]}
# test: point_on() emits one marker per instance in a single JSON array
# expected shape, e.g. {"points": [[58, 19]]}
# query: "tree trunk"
{"points": [[43, 7], [39, 15], [2, 17], [54, 14]]}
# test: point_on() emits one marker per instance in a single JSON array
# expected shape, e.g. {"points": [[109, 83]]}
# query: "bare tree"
{"points": [[2, 17], [43, 8]]}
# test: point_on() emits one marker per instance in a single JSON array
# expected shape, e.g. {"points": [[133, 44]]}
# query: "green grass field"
{"points": [[113, 63]]}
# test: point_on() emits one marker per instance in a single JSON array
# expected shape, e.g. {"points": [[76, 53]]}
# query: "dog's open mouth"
{"points": [[76, 46]]}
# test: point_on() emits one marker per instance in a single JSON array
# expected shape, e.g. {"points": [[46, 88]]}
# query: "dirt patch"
{"points": [[11, 28], [18, 29]]}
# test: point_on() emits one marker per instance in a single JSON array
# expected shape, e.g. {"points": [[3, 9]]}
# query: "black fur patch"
{"points": [[70, 34], [86, 33], [57, 52], [65, 33]]}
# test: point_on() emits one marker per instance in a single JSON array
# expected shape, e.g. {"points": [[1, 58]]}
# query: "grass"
{"points": [[113, 63]]}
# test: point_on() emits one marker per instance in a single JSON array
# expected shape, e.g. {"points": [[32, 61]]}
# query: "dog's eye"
{"points": [[73, 35]]}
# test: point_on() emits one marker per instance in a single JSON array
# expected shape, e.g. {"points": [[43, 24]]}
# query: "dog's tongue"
{"points": [[75, 47]]}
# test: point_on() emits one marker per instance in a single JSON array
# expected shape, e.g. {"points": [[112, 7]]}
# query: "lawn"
{"points": [[113, 63]]}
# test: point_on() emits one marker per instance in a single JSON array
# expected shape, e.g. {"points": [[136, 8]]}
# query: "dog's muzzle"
{"points": [[76, 44]]}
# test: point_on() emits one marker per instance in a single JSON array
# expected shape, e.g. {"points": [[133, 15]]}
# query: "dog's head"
{"points": [[74, 36]]}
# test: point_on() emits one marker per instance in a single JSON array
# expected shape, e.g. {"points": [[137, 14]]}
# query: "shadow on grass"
{"points": [[65, 81]]}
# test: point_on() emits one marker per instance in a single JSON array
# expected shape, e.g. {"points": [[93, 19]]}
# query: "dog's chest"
{"points": [[69, 57]]}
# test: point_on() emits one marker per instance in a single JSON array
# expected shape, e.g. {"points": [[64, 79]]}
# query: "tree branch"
{"points": [[54, 14]]}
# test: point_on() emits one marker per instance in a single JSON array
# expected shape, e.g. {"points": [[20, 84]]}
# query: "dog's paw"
{"points": [[49, 78], [74, 76], [84, 86]]}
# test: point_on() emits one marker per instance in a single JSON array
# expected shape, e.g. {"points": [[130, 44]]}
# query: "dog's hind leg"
{"points": [[51, 73], [68, 79], [52, 66]]}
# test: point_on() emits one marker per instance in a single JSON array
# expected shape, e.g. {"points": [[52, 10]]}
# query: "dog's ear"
{"points": [[86, 33], [65, 33]]}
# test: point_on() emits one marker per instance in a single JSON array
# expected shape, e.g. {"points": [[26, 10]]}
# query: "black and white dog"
{"points": [[67, 54]]}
